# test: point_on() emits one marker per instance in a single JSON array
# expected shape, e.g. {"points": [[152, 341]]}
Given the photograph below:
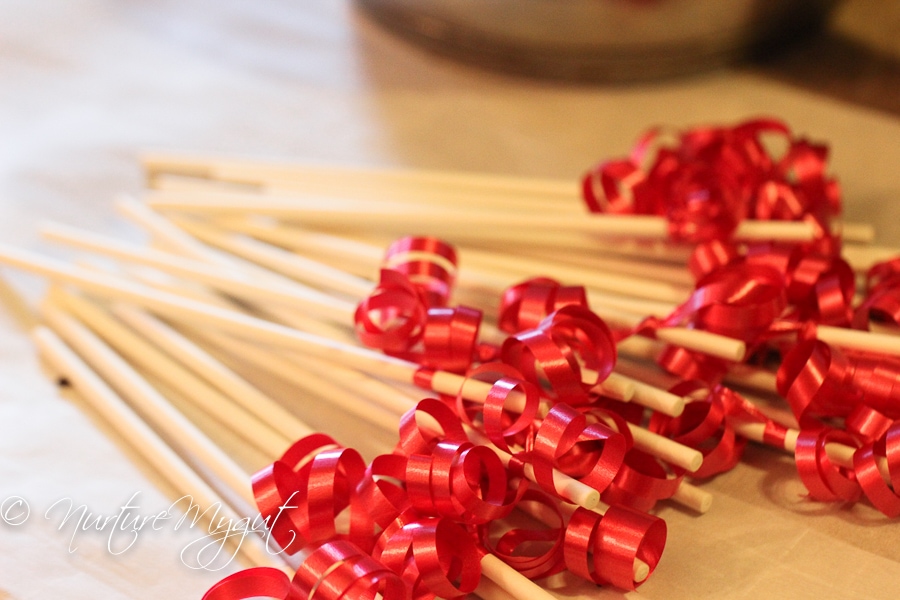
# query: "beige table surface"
{"points": [[86, 85]]}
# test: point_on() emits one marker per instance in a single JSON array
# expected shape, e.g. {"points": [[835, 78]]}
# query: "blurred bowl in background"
{"points": [[605, 40]]}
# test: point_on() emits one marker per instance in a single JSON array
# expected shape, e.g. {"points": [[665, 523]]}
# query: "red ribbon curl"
{"points": [[429, 263], [715, 177], [820, 380], [825, 480], [301, 494], [592, 453], [703, 426], [396, 319], [603, 548], [869, 476], [525, 305], [550, 356], [535, 553], [882, 302], [741, 301]]}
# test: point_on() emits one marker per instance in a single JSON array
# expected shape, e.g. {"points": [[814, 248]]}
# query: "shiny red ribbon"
{"points": [[882, 301], [301, 494], [535, 552], [703, 426], [396, 319], [825, 480], [868, 475], [603, 548], [592, 453], [551, 355], [434, 278], [524, 305], [714, 177]]}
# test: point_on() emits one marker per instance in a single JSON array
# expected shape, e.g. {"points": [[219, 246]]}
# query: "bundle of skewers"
{"points": [[555, 359]]}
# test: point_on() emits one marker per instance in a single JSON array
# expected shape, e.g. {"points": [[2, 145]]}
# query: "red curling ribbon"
{"points": [[434, 556], [823, 289], [258, 582], [341, 571], [461, 481], [500, 422], [424, 378], [535, 553], [428, 262], [450, 336], [617, 180], [616, 415], [276, 486], [525, 305], [824, 480], [395, 319], [883, 274], [392, 318], [814, 378], [868, 475], [642, 481], [565, 441], [774, 434], [714, 177], [711, 256], [301, 494], [739, 301], [603, 548], [383, 489], [882, 302], [819, 286], [415, 439], [703, 426], [867, 423], [877, 379], [550, 355], [333, 477], [881, 305], [688, 364], [819, 380]]}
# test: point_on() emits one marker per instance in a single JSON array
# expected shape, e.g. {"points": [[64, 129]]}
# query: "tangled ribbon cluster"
{"points": [[774, 297], [713, 178], [417, 523]]}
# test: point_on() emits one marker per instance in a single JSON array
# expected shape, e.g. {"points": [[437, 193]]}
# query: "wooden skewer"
{"points": [[301, 370], [143, 439], [229, 478], [242, 420], [317, 191], [864, 257], [516, 227], [612, 386], [287, 263], [509, 266], [868, 341], [234, 282], [180, 241], [258, 172]]}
